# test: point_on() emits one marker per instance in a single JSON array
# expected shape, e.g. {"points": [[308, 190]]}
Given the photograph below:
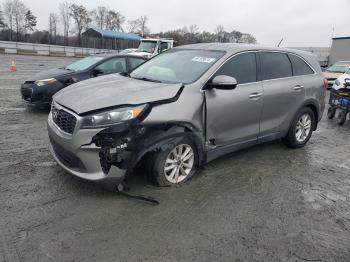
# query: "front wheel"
{"points": [[331, 112], [341, 118], [174, 165], [301, 129]]}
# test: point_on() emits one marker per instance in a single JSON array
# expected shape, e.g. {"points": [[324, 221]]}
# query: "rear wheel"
{"points": [[301, 129], [174, 165], [341, 118], [331, 112]]}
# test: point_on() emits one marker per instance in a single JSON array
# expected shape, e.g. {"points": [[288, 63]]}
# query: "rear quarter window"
{"points": [[300, 67], [275, 65]]}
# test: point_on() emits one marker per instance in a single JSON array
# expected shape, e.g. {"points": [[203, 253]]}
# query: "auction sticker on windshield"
{"points": [[201, 59]]}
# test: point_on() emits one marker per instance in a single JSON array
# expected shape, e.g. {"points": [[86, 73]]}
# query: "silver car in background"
{"points": [[184, 108]]}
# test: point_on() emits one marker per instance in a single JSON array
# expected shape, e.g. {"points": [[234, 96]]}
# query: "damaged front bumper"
{"points": [[78, 155]]}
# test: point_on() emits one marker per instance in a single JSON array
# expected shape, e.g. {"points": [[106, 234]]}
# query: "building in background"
{"points": [[111, 39], [340, 50]]}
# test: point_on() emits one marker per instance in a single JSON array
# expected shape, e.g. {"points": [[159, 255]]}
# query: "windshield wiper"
{"points": [[147, 79]]}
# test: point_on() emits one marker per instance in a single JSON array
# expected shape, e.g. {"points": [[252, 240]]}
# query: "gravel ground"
{"points": [[266, 203]]}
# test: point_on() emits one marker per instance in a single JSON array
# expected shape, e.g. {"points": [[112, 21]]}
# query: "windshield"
{"points": [[177, 66], [84, 63], [343, 63], [338, 68], [147, 46]]}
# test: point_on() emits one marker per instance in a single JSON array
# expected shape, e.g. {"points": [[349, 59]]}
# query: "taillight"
{"points": [[325, 83]]}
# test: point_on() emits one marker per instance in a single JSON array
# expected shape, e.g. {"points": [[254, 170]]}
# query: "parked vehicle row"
{"points": [[40, 88], [183, 108], [335, 71]]}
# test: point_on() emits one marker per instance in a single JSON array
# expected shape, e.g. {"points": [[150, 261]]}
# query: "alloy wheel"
{"points": [[303, 128], [179, 163]]}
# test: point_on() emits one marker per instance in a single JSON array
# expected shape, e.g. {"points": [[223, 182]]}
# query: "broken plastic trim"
{"points": [[122, 188]]}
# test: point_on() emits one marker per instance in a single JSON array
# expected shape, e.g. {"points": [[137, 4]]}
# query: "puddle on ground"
{"points": [[319, 198]]}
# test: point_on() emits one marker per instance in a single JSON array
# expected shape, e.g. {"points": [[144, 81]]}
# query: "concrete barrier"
{"points": [[48, 50]]}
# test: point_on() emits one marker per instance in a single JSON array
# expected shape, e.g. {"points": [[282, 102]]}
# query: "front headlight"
{"points": [[112, 117], [337, 82], [45, 81]]}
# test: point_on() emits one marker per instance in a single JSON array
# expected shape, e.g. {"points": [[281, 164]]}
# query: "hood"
{"points": [[331, 75], [343, 77], [142, 54], [52, 73], [113, 90]]}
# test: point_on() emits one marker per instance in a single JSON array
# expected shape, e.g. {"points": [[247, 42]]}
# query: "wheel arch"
{"points": [[161, 140], [313, 105]]}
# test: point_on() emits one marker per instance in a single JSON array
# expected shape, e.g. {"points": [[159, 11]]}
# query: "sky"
{"points": [[298, 22]]}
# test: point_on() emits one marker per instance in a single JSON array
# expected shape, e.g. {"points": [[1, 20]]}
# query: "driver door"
{"points": [[233, 116]]}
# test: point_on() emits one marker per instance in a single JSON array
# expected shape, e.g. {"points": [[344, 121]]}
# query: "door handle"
{"points": [[298, 87], [255, 95]]}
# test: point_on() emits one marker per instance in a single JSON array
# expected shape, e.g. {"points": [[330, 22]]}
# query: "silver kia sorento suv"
{"points": [[184, 108]]}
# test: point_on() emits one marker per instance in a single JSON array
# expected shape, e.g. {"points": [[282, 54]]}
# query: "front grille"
{"points": [[63, 119]]}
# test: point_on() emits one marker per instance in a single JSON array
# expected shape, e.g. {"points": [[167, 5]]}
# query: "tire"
{"points": [[331, 112], [301, 129], [341, 118], [164, 163]]}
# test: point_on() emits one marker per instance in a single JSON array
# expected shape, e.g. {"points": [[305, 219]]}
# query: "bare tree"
{"points": [[193, 29], [220, 32], [19, 10], [2, 22], [143, 29], [53, 21], [248, 38], [218, 29], [132, 26], [236, 36], [81, 18], [65, 18], [114, 20], [100, 16], [8, 12]]}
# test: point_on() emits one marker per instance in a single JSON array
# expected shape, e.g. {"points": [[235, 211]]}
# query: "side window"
{"points": [[164, 46], [114, 65], [299, 66], [275, 65], [242, 67], [135, 62]]}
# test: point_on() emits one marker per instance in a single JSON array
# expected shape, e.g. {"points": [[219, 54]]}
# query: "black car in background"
{"points": [[39, 89]]}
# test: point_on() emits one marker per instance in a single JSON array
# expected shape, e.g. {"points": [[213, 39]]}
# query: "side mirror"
{"points": [[96, 72], [223, 82], [347, 82]]}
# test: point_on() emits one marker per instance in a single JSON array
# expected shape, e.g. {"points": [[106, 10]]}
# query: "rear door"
{"points": [[233, 115], [283, 93]]}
